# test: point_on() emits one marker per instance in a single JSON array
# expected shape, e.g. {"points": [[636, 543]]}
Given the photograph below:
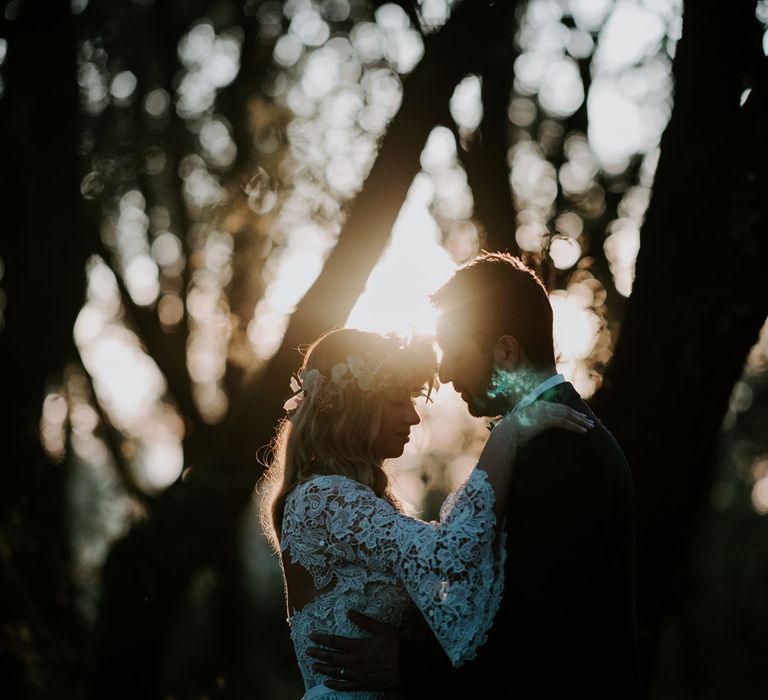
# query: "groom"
{"points": [[566, 625]]}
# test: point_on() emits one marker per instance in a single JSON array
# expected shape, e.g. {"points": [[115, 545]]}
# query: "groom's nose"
{"points": [[445, 372]]}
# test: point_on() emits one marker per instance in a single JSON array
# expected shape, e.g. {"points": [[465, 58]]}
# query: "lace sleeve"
{"points": [[449, 568]]}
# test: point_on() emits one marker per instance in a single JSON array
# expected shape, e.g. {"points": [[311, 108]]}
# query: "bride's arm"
{"points": [[498, 455], [449, 568]]}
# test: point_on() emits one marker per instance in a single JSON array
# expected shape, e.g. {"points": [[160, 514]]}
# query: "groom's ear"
{"points": [[506, 353]]}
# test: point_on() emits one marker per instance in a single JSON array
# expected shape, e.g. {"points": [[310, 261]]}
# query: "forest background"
{"points": [[192, 190]]}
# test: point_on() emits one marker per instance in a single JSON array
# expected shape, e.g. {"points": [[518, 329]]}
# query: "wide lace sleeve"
{"points": [[451, 568]]}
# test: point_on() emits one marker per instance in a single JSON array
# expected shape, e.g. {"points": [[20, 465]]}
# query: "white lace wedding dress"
{"points": [[363, 553]]}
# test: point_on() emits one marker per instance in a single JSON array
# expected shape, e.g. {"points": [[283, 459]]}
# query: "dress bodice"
{"points": [[363, 553]]}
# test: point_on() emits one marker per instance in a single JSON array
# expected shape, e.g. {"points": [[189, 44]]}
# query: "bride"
{"points": [[344, 539]]}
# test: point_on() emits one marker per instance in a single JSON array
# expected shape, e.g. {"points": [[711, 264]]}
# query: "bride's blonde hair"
{"points": [[333, 428]]}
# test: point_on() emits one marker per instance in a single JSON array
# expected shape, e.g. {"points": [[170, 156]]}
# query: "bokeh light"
{"points": [[128, 385], [466, 104], [630, 34], [53, 425], [576, 328], [92, 77], [122, 87], [157, 102], [337, 92], [212, 62]]}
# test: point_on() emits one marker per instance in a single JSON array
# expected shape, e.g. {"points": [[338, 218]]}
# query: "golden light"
{"points": [[575, 325], [564, 251], [298, 269], [576, 329], [396, 299], [414, 265], [266, 329]]}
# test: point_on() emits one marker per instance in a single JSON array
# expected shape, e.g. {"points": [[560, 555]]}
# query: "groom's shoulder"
{"points": [[565, 467], [592, 455], [596, 443]]}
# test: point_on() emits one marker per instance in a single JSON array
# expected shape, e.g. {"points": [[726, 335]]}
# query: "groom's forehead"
{"points": [[454, 325], [452, 334], [446, 329]]}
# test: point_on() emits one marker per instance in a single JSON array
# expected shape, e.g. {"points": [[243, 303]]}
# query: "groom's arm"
{"points": [[353, 663], [384, 661]]}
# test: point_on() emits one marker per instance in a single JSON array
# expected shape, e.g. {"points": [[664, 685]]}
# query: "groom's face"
{"points": [[468, 367]]}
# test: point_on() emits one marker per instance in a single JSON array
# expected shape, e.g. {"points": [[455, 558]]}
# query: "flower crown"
{"points": [[328, 393]]}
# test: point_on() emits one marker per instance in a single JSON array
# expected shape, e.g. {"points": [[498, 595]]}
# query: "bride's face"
{"points": [[398, 416]]}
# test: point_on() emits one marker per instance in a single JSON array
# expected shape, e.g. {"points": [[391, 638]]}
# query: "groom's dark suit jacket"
{"points": [[566, 625]]}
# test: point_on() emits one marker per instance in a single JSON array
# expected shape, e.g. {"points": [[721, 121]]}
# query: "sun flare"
{"points": [[396, 298]]}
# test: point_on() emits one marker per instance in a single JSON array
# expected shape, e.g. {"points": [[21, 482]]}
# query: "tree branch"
{"points": [[485, 157], [449, 56]]}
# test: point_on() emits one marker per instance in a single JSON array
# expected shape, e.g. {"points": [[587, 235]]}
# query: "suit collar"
{"points": [[547, 385]]}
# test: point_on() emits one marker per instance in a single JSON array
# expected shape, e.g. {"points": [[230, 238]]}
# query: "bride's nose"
{"points": [[412, 416]]}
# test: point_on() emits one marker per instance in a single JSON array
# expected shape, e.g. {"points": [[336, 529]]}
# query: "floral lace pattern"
{"points": [[377, 560]]}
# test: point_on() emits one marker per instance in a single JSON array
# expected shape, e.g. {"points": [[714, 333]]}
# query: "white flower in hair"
{"points": [[338, 375], [293, 403], [356, 364], [327, 395], [362, 373]]}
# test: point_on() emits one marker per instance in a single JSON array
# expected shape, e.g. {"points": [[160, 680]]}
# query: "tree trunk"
{"points": [[44, 283], [698, 301]]}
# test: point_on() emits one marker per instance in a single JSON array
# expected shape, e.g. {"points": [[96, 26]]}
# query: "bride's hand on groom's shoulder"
{"points": [[532, 420]]}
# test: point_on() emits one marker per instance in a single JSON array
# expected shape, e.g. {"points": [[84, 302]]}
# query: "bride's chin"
{"points": [[393, 453]]}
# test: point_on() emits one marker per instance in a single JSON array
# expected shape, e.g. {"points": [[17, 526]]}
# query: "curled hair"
{"points": [[315, 440]]}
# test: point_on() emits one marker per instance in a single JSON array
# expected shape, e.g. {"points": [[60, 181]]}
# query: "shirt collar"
{"points": [[546, 385]]}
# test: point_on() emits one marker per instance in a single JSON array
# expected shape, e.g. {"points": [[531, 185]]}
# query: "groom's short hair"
{"points": [[496, 294]]}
